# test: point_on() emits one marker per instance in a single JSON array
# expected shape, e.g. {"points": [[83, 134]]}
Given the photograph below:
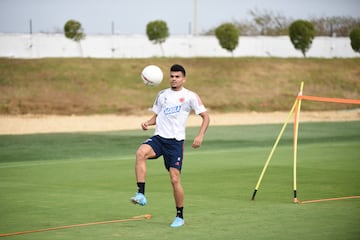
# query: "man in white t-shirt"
{"points": [[171, 110]]}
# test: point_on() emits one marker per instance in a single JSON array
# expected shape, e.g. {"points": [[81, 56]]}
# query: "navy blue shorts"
{"points": [[172, 150]]}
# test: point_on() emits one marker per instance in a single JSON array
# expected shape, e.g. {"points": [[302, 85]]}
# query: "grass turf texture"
{"points": [[51, 180]]}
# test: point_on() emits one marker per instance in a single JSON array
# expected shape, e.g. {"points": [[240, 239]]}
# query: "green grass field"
{"points": [[84, 86], [51, 180]]}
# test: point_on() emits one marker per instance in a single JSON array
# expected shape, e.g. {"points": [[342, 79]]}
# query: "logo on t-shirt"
{"points": [[172, 110]]}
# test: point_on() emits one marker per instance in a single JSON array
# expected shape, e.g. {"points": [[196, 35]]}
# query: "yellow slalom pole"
{"points": [[273, 149], [296, 130]]}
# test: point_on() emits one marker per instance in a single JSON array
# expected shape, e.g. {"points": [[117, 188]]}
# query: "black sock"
{"points": [[179, 212], [141, 187]]}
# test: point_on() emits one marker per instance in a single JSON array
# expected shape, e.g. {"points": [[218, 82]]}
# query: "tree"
{"points": [[335, 26], [157, 32], [270, 23], [228, 36], [301, 34], [355, 39], [74, 31]]}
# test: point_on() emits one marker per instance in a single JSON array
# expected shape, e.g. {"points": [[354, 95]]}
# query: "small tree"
{"points": [[302, 34], [74, 31], [157, 32], [228, 36], [355, 39]]}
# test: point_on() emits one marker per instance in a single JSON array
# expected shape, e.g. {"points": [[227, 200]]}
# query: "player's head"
{"points": [[177, 76], [178, 68]]}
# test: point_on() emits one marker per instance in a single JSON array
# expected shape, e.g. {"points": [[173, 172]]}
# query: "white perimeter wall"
{"points": [[138, 46]]}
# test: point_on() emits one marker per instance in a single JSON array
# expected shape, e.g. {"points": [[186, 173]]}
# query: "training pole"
{"points": [[330, 199], [296, 131], [273, 150], [135, 218]]}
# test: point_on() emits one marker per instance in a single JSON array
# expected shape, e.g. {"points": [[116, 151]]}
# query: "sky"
{"points": [[132, 16]]}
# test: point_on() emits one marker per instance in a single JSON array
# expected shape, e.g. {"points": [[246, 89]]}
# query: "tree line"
{"points": [[269, 23], [264, 23]]}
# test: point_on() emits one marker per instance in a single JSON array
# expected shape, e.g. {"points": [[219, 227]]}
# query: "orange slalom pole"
{"points": [[135, 218], [326, 99], [330, 199]]}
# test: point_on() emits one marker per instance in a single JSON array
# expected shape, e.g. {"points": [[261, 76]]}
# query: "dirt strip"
{"points": [[29, 124]]}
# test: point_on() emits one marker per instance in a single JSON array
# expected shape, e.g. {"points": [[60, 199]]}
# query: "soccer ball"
{"points": [[152, 75]]}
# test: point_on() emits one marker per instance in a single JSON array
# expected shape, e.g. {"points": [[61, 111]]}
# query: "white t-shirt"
{"points": [[173, 109]]}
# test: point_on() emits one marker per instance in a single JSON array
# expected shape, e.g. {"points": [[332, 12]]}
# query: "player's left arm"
{"points": [[204, 125]]}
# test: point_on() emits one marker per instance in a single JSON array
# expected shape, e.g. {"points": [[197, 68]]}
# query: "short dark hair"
{"points": [[178, 68]]}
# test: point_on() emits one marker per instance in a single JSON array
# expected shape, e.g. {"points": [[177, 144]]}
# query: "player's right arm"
{"points": [[152, 121]]}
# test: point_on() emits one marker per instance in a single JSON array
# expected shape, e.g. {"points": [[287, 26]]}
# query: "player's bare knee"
{"points": [[144, 152], [175, 178], [140, 155], [175, 181]]}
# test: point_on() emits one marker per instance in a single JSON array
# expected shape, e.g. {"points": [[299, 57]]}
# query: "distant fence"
{"points": [[138, 46]]}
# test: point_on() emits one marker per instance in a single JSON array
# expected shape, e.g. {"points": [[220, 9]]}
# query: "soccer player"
{"points": [[171, 110]]}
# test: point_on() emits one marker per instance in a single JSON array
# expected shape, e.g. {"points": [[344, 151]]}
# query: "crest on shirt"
{"points": [[182, 100]]}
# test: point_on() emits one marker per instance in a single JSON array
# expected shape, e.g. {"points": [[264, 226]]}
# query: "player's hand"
{"points": [[197, 142], [144, 126]]}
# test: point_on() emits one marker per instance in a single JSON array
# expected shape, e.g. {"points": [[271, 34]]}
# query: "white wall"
{"points": [[138, 46]]}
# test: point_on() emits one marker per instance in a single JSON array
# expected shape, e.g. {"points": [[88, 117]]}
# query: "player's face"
{"points": [[177, 79]]}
